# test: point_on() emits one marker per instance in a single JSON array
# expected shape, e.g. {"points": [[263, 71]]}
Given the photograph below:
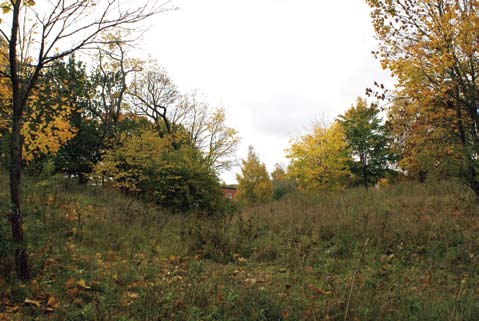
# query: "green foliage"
{"points": [[59, 94], [367, 140], [149, 165], [282, 185], [254, 183], [99, 255], [80, 154], [66, 88]]}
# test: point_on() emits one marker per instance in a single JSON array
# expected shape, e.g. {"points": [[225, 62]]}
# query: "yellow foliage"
{"points": [[46, 126], [427, 140], [431, 47], [319, 159], [47, 137], [125, 165], [254, 183]]}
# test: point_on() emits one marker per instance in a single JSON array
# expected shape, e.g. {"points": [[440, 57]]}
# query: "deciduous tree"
{"points": [[319, 160], [153, 95], [367, 140], [425, 141], [254, 183], [281, 183], [37, 36], [432, 48]]}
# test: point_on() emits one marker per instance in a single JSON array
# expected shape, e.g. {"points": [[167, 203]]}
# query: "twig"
{"points": [[356, 270], [458, 297]]}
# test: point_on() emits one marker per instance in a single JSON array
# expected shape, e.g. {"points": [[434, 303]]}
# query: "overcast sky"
{"points": [[274, 65]]}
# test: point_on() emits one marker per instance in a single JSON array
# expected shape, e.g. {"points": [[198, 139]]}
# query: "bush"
{"points": [[172, 174]]}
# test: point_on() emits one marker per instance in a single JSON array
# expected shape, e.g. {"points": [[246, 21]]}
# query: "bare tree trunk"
{"points": [[365, 177], [21, 257], [16, 146]]}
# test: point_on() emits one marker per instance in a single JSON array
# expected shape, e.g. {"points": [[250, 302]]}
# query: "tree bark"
{"points": [[16, 146]]}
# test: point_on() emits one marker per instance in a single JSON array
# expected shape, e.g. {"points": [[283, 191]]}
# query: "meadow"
{"points": [[403, 252]]}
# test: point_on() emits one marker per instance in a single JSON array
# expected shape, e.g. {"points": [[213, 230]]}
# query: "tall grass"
{"points": [[301, 258]]}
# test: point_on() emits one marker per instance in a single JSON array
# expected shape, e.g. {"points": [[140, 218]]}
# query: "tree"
{"points": [[176, 178], [425, 142], [431, 47], [367, 140], [38, 36], [254, 183], [46, 124], [320, 160], [155, 96], [281, 183], [208, 131], [54, 102], [111, 76]]}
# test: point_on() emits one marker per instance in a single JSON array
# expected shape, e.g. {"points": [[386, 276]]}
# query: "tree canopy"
{"points": [[368, 141], [431, 47], [319, 160], [254, 183]]}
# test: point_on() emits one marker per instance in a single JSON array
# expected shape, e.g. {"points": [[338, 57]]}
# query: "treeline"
{"points": [[426, 128], [357, 149], [121, 121]]}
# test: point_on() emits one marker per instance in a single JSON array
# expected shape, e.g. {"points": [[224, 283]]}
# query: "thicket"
{"points": [[166, 161]]}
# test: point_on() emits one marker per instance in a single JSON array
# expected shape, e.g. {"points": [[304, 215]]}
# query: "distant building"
{"points": [[229, 191]]}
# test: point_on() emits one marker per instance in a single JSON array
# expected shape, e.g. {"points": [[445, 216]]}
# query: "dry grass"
{"points": [[295, 259]]}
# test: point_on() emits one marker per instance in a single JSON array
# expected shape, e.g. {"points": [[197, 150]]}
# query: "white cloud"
{"points": [[274, 65]]}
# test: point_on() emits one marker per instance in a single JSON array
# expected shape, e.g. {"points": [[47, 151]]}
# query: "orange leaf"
{"points": [[52, 302], [69, 283]]}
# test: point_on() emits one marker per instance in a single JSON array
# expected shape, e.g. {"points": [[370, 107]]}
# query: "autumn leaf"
{"points": [[52, 302], [129, 297], [69, 283], [431, 49], [73, 292], [34, 303], [82, 285]]}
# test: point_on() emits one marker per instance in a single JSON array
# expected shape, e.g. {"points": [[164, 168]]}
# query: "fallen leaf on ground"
{"points": [[82, 285], [69, 283], [32, 302], [52, 302]]}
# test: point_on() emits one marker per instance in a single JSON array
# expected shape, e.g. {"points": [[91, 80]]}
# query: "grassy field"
{"points": [[404, 252]]}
